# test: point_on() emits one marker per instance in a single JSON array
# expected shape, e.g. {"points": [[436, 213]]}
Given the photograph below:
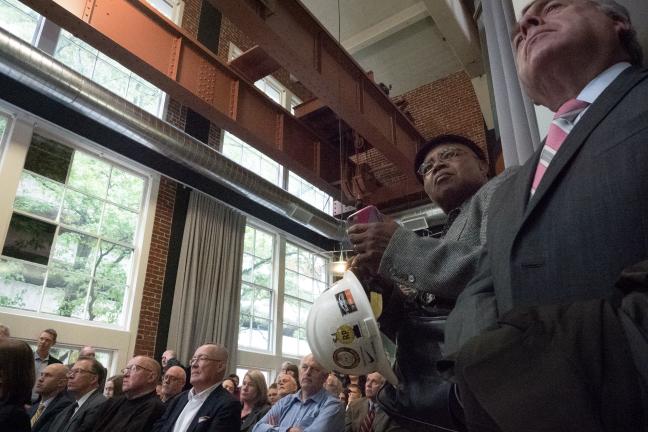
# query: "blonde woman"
{"points": [[254, 397]]}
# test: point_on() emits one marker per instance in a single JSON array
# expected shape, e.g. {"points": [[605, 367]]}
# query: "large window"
{"points": [[72, 235], [309, 193], [252, 159], [281, 280], [255, 323]]}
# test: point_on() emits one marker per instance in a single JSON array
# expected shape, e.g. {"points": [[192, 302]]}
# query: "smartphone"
{"points": [[365, 215]]}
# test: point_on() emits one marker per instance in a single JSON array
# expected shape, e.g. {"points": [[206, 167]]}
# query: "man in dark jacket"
{"points": [[51, 387]]}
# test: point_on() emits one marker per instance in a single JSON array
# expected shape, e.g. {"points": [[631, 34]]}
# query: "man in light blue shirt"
{"points": [[312, 409]]}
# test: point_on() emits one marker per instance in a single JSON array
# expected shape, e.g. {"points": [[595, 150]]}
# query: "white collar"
{"points": [[203, 394], [595, 87]]}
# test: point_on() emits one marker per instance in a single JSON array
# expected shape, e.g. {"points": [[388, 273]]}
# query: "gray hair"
{"points": [[628, 37]]}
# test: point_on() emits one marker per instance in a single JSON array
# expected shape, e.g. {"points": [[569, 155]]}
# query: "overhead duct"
{"points": [[39, 71]]}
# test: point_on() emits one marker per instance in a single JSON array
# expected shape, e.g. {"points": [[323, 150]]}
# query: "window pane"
{"points": [[75, 54], [29, 239], [89, 175], [248, 243], [291, 285], [245, 330], [75, 251], [3, 124], [126, 189], [247, 296], [305, 263], [18, 19], [304, 307], [262, 303], [113, 263], [119, 224], [21, 284], [290, 340], [81, 211], [144, 95], [260, 334], [248, 268], [38, 196], [65, 293], [48, 158], [320, 268], [164, 6], [263, 245], [106, 301], [305, 288], [291, 310], [263, 272], [111, 77], [292, 257]]}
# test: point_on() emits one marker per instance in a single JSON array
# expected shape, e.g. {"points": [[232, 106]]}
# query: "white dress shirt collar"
{"points": [[595, 87]]}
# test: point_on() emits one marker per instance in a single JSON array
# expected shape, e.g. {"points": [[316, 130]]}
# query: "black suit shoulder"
{"points": [[58, 404]]}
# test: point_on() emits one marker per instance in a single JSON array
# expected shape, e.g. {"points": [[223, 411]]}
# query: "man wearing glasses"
{"points": [[140, 406], [83, 384], [172, 383], [207, 406]]}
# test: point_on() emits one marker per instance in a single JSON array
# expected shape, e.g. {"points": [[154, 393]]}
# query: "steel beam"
{"points": [[153, 47], [287, 31]]}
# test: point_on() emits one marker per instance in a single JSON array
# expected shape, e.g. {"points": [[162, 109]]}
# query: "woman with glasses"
{"points": [[254, 397], [16, 382]]}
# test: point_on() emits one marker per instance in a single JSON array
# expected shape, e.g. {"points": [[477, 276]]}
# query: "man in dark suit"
{"points": [[51, 387], [365, 411], [207, 406], [562, 230], [83, 385]]}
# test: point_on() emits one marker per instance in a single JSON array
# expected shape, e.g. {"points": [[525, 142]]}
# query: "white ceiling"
{"points": [[396, 39]]}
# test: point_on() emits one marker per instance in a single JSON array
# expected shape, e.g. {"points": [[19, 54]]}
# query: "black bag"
{"points": [[422, 401]]}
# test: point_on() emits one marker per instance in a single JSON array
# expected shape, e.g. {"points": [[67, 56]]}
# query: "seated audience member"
{"points": [[312, 408], [344, 397], [230, 386], [83, 386], [292, 370], [113, 387], [16, 382], [286, 385], [254, 397], [42, 357], [5, 333], [333, 385], [236, 380], [365, 414], [51, 386], [169, 359], [273, 394], [88, 351], [139, 407], [172, 383], [355, 392], [207, 403]]}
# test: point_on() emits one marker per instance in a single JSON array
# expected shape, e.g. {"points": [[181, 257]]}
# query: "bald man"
{"points": [[172, 383], [51, 387], [310, 409], [207, 403], [139, 407]]}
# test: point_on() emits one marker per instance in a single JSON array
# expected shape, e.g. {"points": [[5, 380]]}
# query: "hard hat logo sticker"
{"points": [[345, 334], [346, 358], [345, 302]]}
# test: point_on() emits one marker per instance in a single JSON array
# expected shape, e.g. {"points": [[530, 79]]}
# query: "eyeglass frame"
{"points": [[445, 155], [136, 366], [78, 371], [202, 357]]}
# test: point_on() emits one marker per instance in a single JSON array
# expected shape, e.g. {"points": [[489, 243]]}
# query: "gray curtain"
{"points": [[208, 285], [515, 112]]}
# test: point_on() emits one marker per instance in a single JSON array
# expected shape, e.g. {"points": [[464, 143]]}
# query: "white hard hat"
{"points": [[343, 334]]}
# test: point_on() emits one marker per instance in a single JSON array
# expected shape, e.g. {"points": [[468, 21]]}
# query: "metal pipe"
{"points": [[39, 71]]}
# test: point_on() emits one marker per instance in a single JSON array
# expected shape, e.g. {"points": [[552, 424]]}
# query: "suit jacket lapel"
{"points": [[590, 120]]}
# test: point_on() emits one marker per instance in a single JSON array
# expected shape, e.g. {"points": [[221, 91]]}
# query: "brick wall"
{"points": [[154, 280], [448, 105]]}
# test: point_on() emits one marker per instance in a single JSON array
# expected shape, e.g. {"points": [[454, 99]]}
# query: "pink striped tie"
{"points": [[560, 127]]}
